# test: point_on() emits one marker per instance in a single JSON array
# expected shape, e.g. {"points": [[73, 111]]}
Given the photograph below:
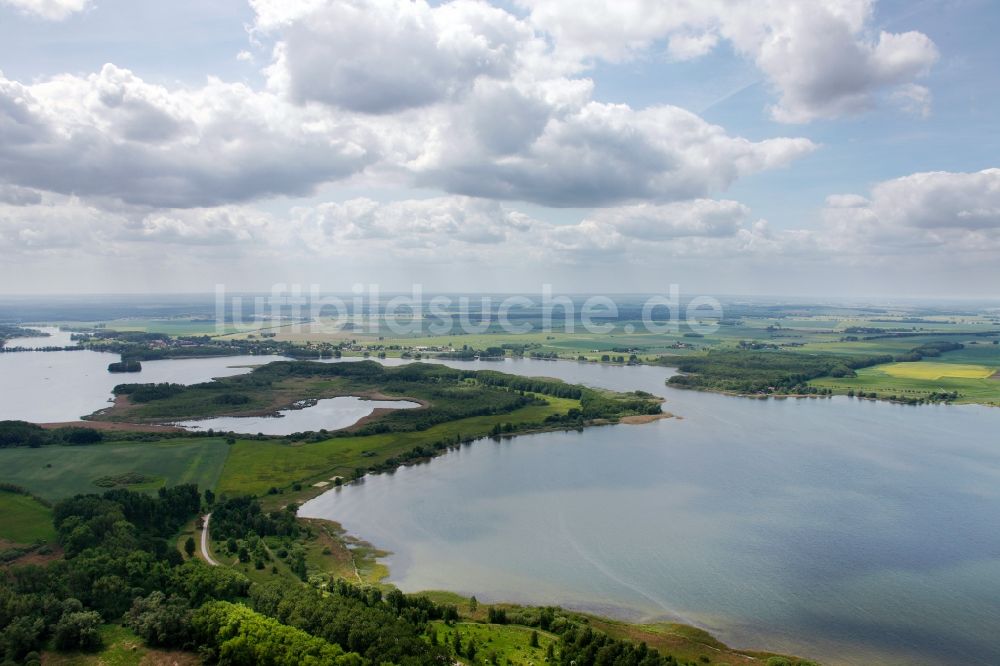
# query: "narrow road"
{"points": [[204, 542]]}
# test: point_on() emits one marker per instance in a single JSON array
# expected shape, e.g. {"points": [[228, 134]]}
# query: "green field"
{"points": [[497, 643], [984, 391], [255, 466], [55, 472], [25, 520]]}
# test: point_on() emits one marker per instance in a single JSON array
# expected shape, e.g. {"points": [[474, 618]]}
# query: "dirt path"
{"points": [[204, 542]]}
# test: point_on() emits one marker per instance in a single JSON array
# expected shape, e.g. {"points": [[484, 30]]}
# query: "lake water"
{"points": [[55, 338], [330, 413], [47, 387], [852, 531]]}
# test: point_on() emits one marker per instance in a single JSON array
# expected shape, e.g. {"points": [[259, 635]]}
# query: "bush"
{"points": [[160, 621], [78, 631], [231, 399]]}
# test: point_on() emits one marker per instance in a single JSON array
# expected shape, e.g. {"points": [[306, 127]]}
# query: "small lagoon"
{"points": [[326, 414]]}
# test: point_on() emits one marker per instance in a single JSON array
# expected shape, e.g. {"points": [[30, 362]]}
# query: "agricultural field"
{"points": [[56, 472], [936, 370], [24, 520], [981, 390]]}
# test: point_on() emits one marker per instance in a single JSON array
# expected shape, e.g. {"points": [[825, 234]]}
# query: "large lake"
{"points": [[852, 531]]}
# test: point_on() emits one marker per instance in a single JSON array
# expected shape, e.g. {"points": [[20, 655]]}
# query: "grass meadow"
{"points": [[56, 472], [24, 520]]}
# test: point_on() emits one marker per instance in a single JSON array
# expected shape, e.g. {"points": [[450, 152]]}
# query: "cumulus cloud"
{"points": [[589, 153], [937, 210], [819, 55], [461, 228], [384, 56], [479, 228], [413, 223], [54, 222], [52, 10], [702, 217], [19, 196], [111, 134], [470, 99]]}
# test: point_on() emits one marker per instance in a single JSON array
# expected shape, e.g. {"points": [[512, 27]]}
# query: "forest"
{"points": [[765, 371]]}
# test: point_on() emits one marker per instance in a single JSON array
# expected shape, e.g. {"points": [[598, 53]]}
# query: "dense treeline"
{"points": [[236, 517], [765, 372], [930, 349], [22, 433], [789, 372], [236, 635], [130, 365], [381, 629], [155, 346], [585, 647], [148, 392], [8, 331], [468, 353]]}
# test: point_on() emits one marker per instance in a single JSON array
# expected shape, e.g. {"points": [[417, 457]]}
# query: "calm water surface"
{"points": [[47, 387], [330, 413], [55, 338], [852, 531]]}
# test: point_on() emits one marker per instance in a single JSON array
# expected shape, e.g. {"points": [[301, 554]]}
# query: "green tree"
{"points": [[78, 631], [160, 621], [189, 546]]}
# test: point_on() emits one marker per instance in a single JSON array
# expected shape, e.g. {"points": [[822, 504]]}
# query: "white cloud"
{"points": [[587, 153], [913, 99], [19, 196], [939, 211], [701, 217], [384, 56], [70, 224], [52, 10], [111, 134], [818, 54], [469, 99], [406, 225]]}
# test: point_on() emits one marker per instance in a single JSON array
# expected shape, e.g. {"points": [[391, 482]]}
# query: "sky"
{"points": [[780, 147]]}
